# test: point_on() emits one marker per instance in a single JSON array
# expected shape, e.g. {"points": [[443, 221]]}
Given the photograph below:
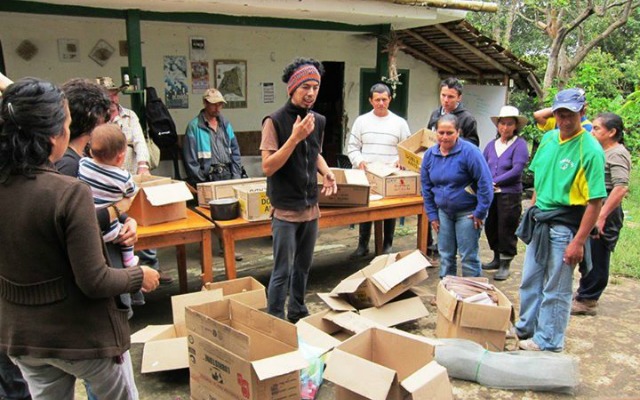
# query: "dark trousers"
{"points": [[502, 221], [293, 245], [389, 230], [593, 283]]}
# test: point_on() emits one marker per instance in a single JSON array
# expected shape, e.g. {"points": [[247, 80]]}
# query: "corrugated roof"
{"points": [[458, 49]]}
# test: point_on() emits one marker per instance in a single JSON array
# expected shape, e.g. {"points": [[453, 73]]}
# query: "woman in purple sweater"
{"points": [[506, 155]]}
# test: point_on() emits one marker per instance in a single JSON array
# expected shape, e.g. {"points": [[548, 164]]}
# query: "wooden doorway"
{"points": [[330, 103]]}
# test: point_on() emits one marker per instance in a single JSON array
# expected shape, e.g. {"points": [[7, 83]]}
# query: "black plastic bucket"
{"points": [[223, 209]]}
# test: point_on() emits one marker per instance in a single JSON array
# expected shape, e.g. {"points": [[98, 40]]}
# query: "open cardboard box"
{"points": [[254, 202], [208, 191], [389, 181], [165, 346], [159, 200], [328, 328], [237, 351], [483, 324], [386, 277], [246, 290], [412, 149], [353, 189], [386, 364]]}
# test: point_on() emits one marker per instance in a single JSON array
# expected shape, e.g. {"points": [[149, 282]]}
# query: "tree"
{"points": [[571, 30]]}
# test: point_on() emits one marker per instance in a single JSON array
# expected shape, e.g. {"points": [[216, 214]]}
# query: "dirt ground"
{"points": [[606, 345]]}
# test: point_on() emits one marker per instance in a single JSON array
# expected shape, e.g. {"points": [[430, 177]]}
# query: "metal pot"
{"points": [[223, 209]]}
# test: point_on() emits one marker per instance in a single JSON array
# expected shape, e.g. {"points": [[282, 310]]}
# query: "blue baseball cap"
{"points": [[571, 99]]}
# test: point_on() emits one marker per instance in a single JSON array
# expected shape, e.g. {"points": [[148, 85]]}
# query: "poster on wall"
{"points": [[68, 50], [197, 48], [199, 76], [268, 92], [231, 80], [176, 88]]}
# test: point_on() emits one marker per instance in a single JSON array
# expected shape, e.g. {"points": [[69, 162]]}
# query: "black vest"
{"points": [[295, 185]]}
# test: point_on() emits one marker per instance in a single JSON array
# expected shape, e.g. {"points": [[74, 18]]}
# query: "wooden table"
{"points": [[378, 211], [193, 229]]}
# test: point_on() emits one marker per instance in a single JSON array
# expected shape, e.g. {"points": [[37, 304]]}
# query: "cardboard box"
{"points": [[246, 290], [159, 200], [386, 277], [254, 202], [238, 352], [483, 324], [412, 149], [384, 364], [165, 346], [388, 181], [328, 328], [221, 189], [353, 189]]}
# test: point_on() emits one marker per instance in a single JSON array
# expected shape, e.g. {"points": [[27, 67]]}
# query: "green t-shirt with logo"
{"points": [[569, 172]]}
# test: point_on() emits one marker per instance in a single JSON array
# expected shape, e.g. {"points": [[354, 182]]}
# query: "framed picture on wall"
{"points": [[101, 52], [68, 50], [230, 78]]}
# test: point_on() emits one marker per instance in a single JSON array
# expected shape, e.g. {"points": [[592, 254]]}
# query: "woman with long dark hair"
{"points": [[60, 320], [608, 128]]}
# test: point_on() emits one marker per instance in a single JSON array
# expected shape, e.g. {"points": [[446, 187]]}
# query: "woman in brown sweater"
{"points": [[59, 318]]}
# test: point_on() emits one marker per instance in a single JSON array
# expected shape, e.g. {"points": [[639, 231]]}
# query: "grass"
{"points": [[625, 261]]}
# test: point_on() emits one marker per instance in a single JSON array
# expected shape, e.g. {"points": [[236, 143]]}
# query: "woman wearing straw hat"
{"points": [[506, 155]]}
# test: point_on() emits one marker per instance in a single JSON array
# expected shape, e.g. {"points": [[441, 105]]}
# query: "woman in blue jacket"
{"points": [[457, 191]]}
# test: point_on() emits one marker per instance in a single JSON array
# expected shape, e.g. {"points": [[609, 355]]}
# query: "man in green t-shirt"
{"points": [[569, 187]]}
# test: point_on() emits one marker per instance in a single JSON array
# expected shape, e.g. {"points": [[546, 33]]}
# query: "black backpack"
{"points": [[162, 129]]}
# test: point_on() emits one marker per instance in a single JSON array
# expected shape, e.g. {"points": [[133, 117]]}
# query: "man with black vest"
{"points": [[291, 158]]}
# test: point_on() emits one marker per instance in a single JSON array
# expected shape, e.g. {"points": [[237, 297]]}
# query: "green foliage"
{"points": [[624, 261]]}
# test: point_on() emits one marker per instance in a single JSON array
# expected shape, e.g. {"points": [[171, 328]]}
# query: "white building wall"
{"points": [[266, 50]]}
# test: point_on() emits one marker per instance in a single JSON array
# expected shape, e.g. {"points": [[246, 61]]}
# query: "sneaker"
{"points": [[165, 279], [528, 345], [584, 307], [238, 256]]}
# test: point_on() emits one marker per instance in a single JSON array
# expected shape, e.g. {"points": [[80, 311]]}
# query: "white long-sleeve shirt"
{"points": [[375, 139]]}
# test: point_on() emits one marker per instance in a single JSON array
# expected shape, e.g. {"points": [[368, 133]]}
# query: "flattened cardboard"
{"points": [[208, 191], [254, 202], [242, 352], [382, 363], [159, 200], [353, 189], [246, 290], [483, 324], [412, 149], [390, 182], [396, 312], [336, 302], [165, 346], [361, 290]]}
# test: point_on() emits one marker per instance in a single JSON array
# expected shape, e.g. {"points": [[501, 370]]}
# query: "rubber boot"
{"points": [[494, 264], [503, 271], [389, 230], [363, 244]]}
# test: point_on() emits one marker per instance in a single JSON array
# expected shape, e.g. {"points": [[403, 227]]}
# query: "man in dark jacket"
{"points": [[291, 159], [210, 149], [450, 103]]}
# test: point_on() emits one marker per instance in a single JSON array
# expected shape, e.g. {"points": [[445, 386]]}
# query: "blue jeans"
{"points": [[293, 245], [457, 233], [545, 293]]}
